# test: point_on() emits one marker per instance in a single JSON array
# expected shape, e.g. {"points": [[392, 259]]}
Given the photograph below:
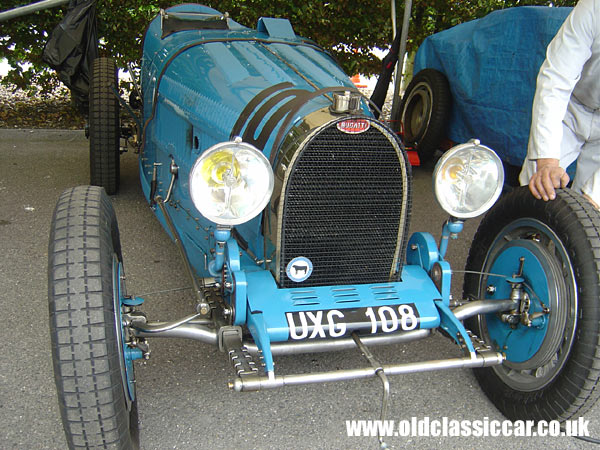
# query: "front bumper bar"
{"points": [[254, 382]]}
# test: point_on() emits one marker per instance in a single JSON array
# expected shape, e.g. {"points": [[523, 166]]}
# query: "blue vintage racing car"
{"points": [[290, 205]]}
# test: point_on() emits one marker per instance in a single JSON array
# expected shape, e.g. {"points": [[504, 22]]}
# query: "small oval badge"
{"points": [[299, 269], [353, 126]]}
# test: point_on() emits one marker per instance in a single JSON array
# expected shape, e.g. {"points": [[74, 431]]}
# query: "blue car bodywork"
{"points": [[239, 67]]}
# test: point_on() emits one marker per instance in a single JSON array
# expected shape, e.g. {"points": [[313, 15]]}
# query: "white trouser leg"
{"points": [[587, 179]]}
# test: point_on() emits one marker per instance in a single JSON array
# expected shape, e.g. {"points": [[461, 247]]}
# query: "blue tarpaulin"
{"points": [[492, 64]]}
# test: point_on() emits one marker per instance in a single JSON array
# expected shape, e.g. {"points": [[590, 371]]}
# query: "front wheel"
{"points": [[547, 255], [93, 365]]}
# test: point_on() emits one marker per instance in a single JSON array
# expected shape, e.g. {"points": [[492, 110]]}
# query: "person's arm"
{"points": [[560, 72]]}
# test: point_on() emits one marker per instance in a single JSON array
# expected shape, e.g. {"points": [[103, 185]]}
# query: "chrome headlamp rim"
{"points": [[475, 146], [234, 146]]}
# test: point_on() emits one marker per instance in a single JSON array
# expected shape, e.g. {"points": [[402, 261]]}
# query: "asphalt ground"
{"points": [[182, 390]]}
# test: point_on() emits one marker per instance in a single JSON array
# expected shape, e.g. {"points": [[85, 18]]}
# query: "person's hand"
{"points": [[548, 177]]}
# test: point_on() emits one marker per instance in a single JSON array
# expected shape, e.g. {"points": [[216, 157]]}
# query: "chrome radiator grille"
{"points": [[345, 208]]}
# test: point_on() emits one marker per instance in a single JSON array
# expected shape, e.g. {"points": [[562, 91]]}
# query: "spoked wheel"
{"points": [[547, 256], [93, 363], [424, 112], [104, 126]]}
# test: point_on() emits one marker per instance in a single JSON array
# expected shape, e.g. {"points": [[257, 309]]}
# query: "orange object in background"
{"points": [[356, 80], [413, 158]]}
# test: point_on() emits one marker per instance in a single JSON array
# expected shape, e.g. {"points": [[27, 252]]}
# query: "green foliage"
{"points": [[349, 29], [22, 41]]}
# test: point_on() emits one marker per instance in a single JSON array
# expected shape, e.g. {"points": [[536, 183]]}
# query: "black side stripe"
{"points": [[294, 104], [257, 118], [287, 111], [252, 104]]}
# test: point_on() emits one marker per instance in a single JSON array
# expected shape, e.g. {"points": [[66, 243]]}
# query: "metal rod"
{"points": [[193, 15], [198, 330], [202, 305], [202, 330], [329, 345], [393, 13], [382, 376], [164, 291], [401, 54], [255, 382], [165, 326], [31, 8], [174, 169], [483, 307]]}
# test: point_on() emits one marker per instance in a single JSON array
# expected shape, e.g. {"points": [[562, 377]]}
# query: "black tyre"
{"points": [[424, 112], [552, 347], [104, 126], [94, 380]]}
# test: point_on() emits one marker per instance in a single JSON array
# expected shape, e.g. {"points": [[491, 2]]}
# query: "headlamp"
{"points": [[468, 179], [231, 183]]}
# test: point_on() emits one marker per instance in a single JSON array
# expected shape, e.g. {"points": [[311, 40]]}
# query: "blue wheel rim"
{"points": [[535, 354], [127, 354], [520, 343]]}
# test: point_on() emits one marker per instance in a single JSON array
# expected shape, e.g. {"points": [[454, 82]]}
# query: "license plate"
{"points": [[339, 322]]}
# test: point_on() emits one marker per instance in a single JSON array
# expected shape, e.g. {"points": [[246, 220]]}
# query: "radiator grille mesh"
{"points": [[343, 208]]}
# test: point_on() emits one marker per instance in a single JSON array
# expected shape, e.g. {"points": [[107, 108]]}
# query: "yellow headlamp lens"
{"points": [[231, 183], [221, 168]]}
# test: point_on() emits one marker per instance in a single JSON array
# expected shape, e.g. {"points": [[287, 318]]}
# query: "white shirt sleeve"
{"points": [[565, 57]]}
